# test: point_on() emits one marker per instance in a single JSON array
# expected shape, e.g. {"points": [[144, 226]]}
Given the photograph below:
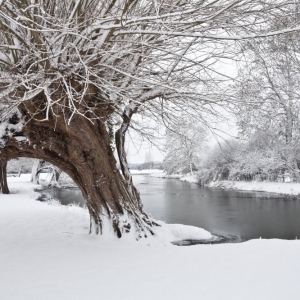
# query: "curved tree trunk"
{"points": [[3, 177], [82, 150], [41, 165], [35, 172], [55, 174]]}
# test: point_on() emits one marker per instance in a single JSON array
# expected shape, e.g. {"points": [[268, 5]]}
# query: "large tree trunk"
{"points": [[3, 177], [82, 150]]}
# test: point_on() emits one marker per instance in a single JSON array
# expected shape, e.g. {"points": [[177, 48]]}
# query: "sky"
{"points": [[137, 150]]}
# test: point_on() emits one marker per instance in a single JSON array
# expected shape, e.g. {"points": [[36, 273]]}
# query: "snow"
{"points": [[291, 188], [20, 138], [146, 171], [192, 178], [46, 253]]}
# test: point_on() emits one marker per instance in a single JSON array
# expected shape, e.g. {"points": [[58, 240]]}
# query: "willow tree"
{"points": [[69, 68]]}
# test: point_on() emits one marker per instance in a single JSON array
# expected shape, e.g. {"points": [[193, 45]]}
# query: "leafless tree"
{"points": [[69, 67], [184, 145], [269, 87]]}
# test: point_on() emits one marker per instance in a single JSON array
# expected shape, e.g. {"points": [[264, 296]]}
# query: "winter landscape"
{"points": [[149, 149]]}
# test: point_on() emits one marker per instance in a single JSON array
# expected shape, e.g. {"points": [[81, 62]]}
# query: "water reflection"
{"points": [[65, 196], [244, 214]]}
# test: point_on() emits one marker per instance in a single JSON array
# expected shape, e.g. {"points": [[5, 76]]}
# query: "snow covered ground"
{"points": [[262, 186], [46, 253]]}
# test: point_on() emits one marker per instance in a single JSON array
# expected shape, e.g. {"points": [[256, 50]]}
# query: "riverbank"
{"points": [[259, 186], [192, 178], [46, 253], [284, 188]]}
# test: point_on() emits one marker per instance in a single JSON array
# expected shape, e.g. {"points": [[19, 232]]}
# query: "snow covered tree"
{"points": [[216, 163], [148, 164], [70, 69], [19, 165], [256, 158], [269, 86], [184, 145]]}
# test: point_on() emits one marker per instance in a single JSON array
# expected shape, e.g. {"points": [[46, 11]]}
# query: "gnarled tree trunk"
{"points": [[3, 177], [82, 150]]}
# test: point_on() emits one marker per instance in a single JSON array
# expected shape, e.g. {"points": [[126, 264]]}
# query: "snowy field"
{"points": [[261, 186], [46, 253]]}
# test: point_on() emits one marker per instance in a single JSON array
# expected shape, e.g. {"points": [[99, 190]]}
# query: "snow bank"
{"points": [[46, 253], [262, 186], [147, 171], [187, 177], [190, 178], [179, 232], [165, 175]]}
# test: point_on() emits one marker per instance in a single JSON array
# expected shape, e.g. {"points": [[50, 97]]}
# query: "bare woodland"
{"points": [[75, 73]]}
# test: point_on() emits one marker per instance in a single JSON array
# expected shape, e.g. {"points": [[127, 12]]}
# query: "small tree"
{"points": [[3, 177], [19, 165], [184, 144], [217, 162], [148, 160]]}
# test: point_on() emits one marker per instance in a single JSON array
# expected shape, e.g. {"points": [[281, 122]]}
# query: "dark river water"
{"points": [[246, 215]]}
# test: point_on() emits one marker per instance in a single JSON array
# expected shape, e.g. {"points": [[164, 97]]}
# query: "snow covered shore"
{"points": [[258, 186], [261, 186], [186, 177], [46, 253], [146, 172]]}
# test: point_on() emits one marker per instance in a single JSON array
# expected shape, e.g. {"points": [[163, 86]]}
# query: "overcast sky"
{"points": [[137, 149]]}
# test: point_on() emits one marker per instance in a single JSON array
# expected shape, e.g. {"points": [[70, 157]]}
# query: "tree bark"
{"points": [[3, 177], [82, 150]]}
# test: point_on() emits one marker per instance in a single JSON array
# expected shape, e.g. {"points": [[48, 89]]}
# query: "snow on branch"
{"points": [[94, 58]]}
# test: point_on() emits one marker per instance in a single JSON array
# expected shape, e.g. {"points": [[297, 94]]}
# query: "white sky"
{"points": [[137, 150]]}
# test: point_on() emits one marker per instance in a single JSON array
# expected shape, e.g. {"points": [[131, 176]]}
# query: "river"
{"points": [[245, 215]]}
